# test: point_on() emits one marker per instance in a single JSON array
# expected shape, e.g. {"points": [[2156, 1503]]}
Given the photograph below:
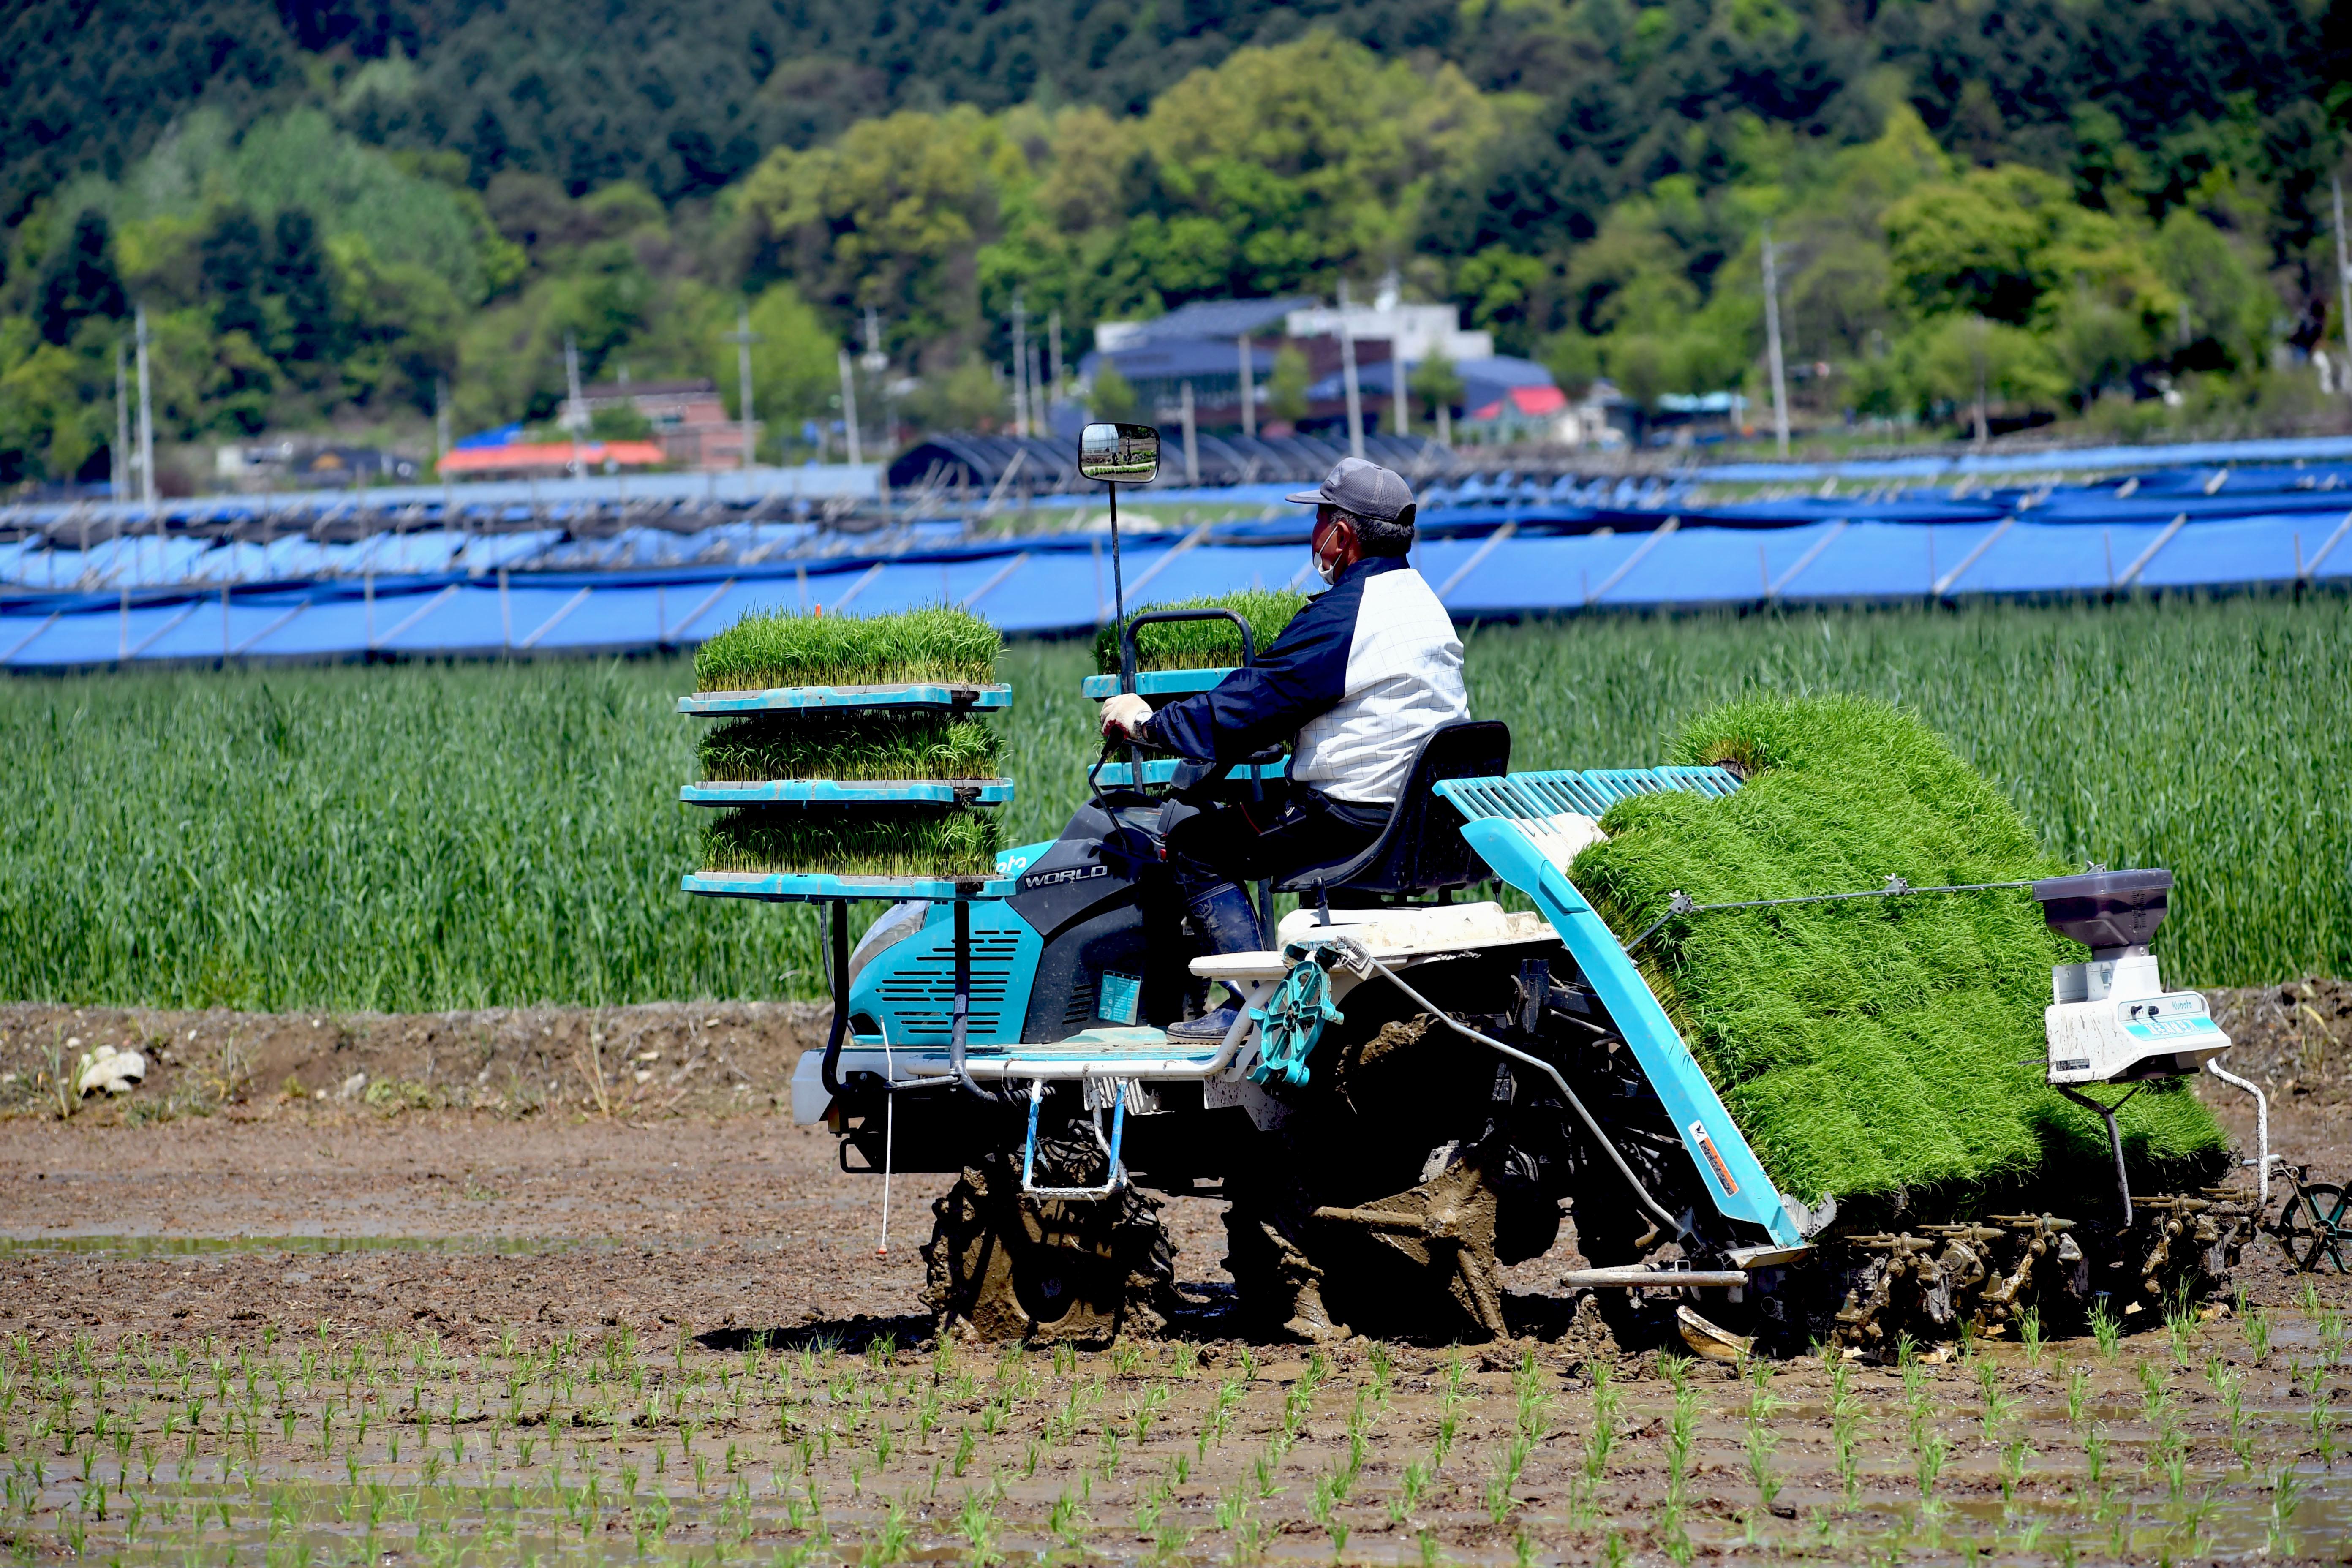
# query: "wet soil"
{"points": [[363, 1326]]}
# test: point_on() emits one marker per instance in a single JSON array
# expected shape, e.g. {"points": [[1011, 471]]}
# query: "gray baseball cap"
{"points": [[1365, 488]]}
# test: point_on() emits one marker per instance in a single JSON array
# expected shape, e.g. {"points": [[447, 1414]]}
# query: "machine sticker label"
{"points": [[1122, 996], [1707, 1147], [1075, 874], [2171, 1028]]}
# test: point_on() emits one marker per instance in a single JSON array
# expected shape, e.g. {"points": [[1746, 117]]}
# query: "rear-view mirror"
{"points": [[1121, 453]]}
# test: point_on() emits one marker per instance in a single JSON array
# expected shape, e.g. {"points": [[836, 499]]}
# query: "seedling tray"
{"points": [[957, 697], [810, 887], [1162, 770], [1156, 682], [851, 792]]}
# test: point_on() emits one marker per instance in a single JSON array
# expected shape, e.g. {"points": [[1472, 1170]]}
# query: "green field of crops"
{"points": [[428, 838]]}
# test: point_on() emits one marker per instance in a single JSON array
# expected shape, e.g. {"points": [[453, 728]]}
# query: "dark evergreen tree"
{"points": [[234, 259], [301, 277], [77, 280]]}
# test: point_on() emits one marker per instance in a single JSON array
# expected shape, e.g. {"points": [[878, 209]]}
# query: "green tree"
{"points": [[893, 215], [1286, 387], [795, 368], [1436, 383], [1975, 366], [967, 397], [1113, 399], [77, 280], [1980, 245], [233, 258], [302, 277], [619, 422], [50, 426]]}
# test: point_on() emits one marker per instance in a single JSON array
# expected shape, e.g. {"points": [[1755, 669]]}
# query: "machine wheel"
{"points": [[1419, 1261], [1005, 1266], [2315, 1227]]}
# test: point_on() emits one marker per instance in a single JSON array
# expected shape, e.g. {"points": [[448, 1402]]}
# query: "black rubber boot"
{"points": [[1228, 923], [1227, 920]]}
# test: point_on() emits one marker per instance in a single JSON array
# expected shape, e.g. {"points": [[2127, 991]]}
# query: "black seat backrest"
{"points": [[1421, 850]]}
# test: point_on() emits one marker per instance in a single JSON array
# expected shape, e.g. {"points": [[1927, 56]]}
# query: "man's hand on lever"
{"points": [[1124, 716]]}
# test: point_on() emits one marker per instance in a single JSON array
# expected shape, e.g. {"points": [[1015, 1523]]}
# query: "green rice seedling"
{"points": [[2014, 1457], [1606, 1400], [1842, 792], [1760, 1443], [2107, 1330], [2029, 1335], [2286, 1495], [879, 841], [1197, 645], [775, 649], [1408, 1498], [1681, 1428], [1927, 1464], [1998, 1405]]}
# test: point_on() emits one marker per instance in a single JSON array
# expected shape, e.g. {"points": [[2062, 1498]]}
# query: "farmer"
{"points": [[1355, 683]]}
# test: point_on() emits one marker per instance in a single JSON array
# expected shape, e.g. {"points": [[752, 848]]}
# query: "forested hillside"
{"points": [[2116, 211]]}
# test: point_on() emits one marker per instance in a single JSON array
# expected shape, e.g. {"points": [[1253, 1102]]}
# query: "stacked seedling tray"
{"points": [[1177, 658], [849, 758]]}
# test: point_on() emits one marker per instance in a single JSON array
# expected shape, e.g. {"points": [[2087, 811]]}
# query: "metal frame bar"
{"points": [[1115, 1175]]}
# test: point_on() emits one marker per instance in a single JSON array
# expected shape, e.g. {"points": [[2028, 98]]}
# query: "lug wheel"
{"points": [[2315, 1227], [1004, 1267]]}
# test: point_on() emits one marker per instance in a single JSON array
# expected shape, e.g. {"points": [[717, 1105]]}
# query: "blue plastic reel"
{"points": [[1292, 1019]]}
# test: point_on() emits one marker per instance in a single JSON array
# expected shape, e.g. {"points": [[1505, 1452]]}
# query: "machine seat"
{"points": [[1421, 852]]}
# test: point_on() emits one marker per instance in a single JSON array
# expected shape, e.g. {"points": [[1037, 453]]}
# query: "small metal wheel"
{"points": [[2315, 1227]]}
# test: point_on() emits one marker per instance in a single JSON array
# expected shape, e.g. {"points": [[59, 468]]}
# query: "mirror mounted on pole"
{"points": [[1119, 454]]}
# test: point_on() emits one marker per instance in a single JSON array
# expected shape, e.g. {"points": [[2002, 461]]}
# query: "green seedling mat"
{"points": [[1177, 645], [1875, 1046]]}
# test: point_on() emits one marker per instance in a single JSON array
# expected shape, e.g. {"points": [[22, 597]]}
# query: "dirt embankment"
{"points": [[629, 1061], [2294, 1039]]}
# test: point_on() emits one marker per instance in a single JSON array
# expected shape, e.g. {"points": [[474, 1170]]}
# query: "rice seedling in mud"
{"points": [[1197, 645], [870, 842], [591, 1444], [936, 643], [1872, 1046]]}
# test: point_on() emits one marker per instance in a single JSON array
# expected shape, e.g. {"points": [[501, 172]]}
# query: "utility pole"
{"points": [[849, 406], [2343, 264], [1772, 345], [120, 466], [440, 419], [1053, 350], [1040, 410], [146, 418], [743, 337], [1192, 454], [1400, 409], [1347, 375], [1249, 388], [575, 408], [1020, 366]]}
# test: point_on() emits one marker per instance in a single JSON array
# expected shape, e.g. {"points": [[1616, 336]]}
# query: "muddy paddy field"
{"points": [[564, 1286]]}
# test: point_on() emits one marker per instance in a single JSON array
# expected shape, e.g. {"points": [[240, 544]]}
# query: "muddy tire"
{"points": [[1002, 1266]]}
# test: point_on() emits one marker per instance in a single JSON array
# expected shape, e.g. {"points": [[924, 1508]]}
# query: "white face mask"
{"points": [[1327, 569]]}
